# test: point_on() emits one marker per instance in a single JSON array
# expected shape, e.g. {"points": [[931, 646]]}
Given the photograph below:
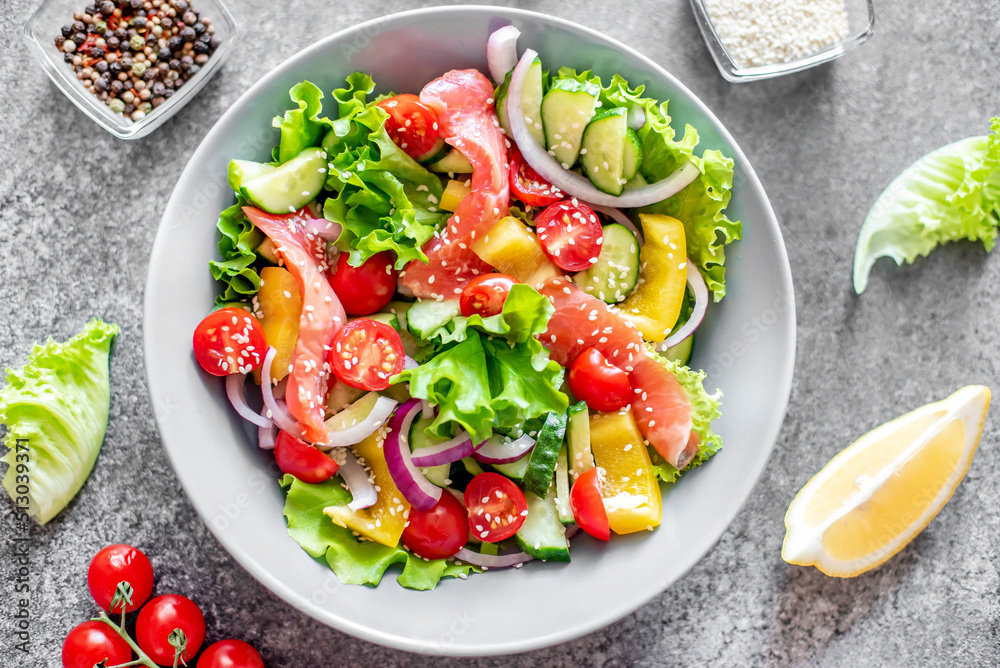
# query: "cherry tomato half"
{"points": [[485, 294], [412, 125], [120, 563], [570, 235], [440, 532], [587, 504], [597, 381], [366, 289], [160, 620], [528, 186], [366, 353], [91, 643], [229, 341], [302, 460], [230, 654], [496, 507]]}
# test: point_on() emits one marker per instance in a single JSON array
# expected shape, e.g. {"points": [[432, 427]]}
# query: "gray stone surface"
{"points": [[79, 209]]}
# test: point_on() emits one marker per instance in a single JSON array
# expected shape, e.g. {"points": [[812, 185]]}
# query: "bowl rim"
{"points": [[782, 379]]}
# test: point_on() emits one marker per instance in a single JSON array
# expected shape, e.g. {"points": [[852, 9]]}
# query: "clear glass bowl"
{"points": [[860, 27], [40, 33]]}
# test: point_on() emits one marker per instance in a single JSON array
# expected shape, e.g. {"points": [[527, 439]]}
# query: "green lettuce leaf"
{"points": [[950, 194], [302, 127], [237, 243], [56, 411], [353, 561], [704, 409], [524, 382]]}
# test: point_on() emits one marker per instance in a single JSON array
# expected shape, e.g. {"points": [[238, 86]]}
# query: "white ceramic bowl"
{"points": [[747, 344]]}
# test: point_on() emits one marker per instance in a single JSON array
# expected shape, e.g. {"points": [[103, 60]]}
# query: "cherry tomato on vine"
{"points": [[440, 532], [587, 504], [412, 125], [167, 624], [366, 289], [570, 235], [230, 654], [302, 460], [485, 294], [229, 341], [597, 381], [366, 353], [120, 563], [528, 186], [502, 500], [91, 643]]}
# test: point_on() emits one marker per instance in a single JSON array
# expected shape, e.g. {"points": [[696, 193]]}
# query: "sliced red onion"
{"points": [[619, 217], [421, 493], [358, 481], [636, 117], [496, 451], [443, 453], [234, 390], [501, 52], [277, 410], [266, 436], [279, 389], [409, 364], [696, 282], [323, 228], [364, 427], [569, 182], [492, 560]]}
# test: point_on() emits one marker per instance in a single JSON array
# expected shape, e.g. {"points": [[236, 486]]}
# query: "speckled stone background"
{"points": [[79, 209]]}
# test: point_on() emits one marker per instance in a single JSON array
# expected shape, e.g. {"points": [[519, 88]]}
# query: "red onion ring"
{"points": [[443, 453], [696, 282], [496, 451], [419, 491], [492, 560], [358, 481], [501, 52], [234, 390], [364, 427], [266, 436], [279, 414]]}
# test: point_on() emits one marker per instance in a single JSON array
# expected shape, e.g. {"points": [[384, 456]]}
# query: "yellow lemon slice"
{"points": [[875, 496]]}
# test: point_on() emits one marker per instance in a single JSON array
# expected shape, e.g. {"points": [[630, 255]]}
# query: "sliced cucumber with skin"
{"points": [[616, 271], [542, 461], [515, 470], [438, 151], [637, 181], [427, 316], [562, 487], [531, 103], [633, 155], [453, 162], [242, 171], [291, 186], [581, 457], [566, 110], [419, 439], [542, 535], [387, 318], [602, 150], [681, 352]]}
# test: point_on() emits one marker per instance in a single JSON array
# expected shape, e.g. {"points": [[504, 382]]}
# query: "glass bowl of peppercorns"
{"points": [[130, 64]]}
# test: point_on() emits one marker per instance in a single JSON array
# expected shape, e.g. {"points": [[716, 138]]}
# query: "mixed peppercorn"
{"points": [[135, 54]]}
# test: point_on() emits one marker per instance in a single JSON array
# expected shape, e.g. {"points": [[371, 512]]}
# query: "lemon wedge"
{"points": [[874, 497]]}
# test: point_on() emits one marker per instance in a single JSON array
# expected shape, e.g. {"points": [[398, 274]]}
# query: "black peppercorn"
{"points": [[166, 23], [194, 70], [101, 84], [205, 37], [190, 18], [66, 30], [122, 34], [117, 87], [126, 62], [79, 38], [186, 63], [107, 8], [113, 43], [79, 26], [129, 108], [101, 66], [115, 68], [150, 74], [139, 23], [167, 94], [68, 57], [201, 47], [60, 40], [96, 52], [175, 43], [164, 54], [137, 4], [181, 5], [90, 9], [175, 64], [188, 34], [200, 28], [158, 88]]}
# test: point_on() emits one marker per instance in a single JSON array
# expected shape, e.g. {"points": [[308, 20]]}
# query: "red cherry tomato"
{"points": [[168, 617], [440, 532], [366, 353], [230, 654], [485, 294], [229, 341], [494, 495], [91, 643], [366, 289], [412, 125], [528, 186], [302, 460], [587, 505], [120, 563], [597, 381], [570, 234]]}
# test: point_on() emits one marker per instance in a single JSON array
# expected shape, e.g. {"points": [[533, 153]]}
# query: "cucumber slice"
{"points": [[531, 103], [515, 470], [242, 171], [472, 467], [637, 181], [291, 186], [581, 458], [633, 155], [562, 487], [438, 475], [387, 318], [453, 162], [602, 152], [438, 151], [542, 535], [566, 110], [427, 315], [542, 461], [681, 352], [399, 309], [616, 271]]}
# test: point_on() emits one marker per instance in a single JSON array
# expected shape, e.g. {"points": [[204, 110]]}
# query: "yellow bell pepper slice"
{"points": [[630, 490], [655, 304], [454, 193], [515, 250], [281, 306]]}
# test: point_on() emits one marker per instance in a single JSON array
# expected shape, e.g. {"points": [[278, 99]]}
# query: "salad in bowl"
{"points": [[469, 310]]}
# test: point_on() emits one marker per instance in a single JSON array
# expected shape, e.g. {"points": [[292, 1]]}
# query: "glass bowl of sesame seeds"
{"points": [[83, 53], [761, 39]]}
